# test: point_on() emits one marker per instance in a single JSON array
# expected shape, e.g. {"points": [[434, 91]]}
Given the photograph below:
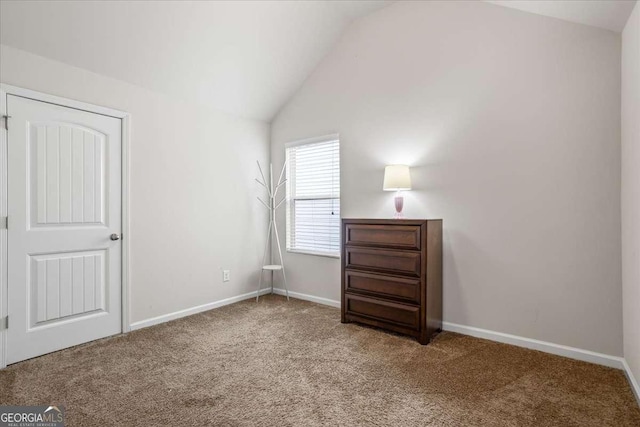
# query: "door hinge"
{"points": [[4, 223], [4, 323], [6, 121]]}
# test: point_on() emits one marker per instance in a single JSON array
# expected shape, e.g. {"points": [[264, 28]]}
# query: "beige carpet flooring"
{"points": [[279, 363]]}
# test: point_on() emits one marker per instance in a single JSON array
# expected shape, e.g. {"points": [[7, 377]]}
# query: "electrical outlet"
{"points": [[226, 275]]}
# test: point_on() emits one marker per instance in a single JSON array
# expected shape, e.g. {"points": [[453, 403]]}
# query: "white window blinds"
{"points": [[313, 196]]}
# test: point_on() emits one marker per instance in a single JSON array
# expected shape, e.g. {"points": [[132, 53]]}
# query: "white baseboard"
{"points": [[547, 347], [632, 380], [312, 298], [194, 310]]}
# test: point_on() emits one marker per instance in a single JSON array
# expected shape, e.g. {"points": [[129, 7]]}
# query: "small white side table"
{"points": [[272, 268]]}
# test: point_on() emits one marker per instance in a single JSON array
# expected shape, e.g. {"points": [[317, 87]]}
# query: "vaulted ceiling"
{"points": [[243, 57]]}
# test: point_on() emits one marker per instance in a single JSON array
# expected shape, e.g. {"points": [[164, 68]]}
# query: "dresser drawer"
{"points": [[386, 286], [383, 260], [396, 236], [404, 315]]}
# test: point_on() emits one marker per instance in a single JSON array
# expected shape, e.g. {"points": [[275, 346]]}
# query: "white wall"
{"points": [[631, 190], [511, 122], [193, 207]]}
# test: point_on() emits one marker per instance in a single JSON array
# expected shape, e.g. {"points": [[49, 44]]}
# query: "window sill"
{"points": [[322, 254]]}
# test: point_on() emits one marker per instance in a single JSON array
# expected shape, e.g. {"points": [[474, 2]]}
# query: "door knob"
{"points": [[114, 236]]}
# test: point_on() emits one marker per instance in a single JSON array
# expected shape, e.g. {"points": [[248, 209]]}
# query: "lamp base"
{"points": [[399, 202]]}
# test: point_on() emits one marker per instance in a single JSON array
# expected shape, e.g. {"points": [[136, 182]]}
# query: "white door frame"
{"points": [[125, 118]]}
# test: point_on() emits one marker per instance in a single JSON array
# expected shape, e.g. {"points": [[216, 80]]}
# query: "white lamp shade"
{"points": [[396, 177]]}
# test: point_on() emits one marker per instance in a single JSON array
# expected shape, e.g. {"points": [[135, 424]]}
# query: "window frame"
{"points": [[290, 209]]}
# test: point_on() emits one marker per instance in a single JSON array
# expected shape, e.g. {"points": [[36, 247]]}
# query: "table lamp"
{"points": [[397, 178]]}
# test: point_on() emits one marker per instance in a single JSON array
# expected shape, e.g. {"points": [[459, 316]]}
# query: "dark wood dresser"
{"points": [[392, 275]]}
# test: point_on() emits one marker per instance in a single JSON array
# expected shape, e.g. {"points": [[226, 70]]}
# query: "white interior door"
{"points": [[64, 203]]}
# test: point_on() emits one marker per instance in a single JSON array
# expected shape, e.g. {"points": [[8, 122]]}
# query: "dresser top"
{"points": [[387, 221]]}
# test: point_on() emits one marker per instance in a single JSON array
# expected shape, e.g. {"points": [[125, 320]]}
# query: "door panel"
{"points": [[67, 171], [64, 202], [66, 284]]}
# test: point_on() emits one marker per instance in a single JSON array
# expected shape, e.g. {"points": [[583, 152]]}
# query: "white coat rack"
{"points": [[273, 229]]}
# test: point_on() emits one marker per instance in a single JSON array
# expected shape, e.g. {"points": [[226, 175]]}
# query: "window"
{"points": [[313, 196]]}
